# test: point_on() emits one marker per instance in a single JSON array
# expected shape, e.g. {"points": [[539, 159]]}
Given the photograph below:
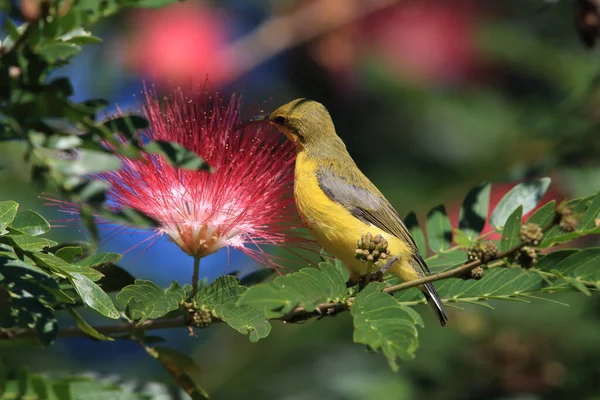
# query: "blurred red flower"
{"points": [[428, 41], [180, 43]]}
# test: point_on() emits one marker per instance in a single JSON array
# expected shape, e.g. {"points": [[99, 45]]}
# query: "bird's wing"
{"points": [[368, 205]]}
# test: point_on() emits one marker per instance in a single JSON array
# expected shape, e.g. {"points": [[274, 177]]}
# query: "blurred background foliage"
{"points": [[431, 97]]}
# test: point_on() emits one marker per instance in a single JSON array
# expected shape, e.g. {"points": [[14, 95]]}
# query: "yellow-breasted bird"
{"points": [[338, 203]]}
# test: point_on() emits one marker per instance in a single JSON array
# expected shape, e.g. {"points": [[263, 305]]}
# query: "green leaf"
{"points": [[127, 125], [79, 36], [543, 215], [526, 194], [412, 224], [146, 300], [55, 51], [8, 212], [497, 284], [30, 223], [177, 155], [474, 211], [149, 3], [39, 386], [69, 253], [31, 243], [462, 239], [61, 266], [573, 267], [99, 259], [512, 228], [447, 260], [588, 219], [182, 368], [88, 162], [439, 230], [306, 288], [220, 298], [87, 328], [93, 296], [380, 322]]}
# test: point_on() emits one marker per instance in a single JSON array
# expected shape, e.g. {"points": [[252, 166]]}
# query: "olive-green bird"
{"points": [[338, 203]]}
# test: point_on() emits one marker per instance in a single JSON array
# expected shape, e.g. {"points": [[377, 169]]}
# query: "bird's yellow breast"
{"points": [[335, 228]]}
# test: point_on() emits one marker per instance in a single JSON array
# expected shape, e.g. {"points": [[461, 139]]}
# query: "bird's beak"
{"points": [[257, 119]]}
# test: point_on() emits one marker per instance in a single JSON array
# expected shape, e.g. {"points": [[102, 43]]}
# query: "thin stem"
{"points": [[195, 276]]}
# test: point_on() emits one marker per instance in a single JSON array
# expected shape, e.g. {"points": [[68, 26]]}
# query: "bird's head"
{"points": [[305, 122]]}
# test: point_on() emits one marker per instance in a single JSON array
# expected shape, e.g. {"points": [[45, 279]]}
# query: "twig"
{"points": [[280, 33], [195, 276], [456, 272]]}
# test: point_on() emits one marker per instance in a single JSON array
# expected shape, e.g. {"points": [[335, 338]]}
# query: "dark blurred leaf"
{"points": [[182, 368], [46, 328], [31, 223], [307, 288], [474, 211], [92, 192], [381, 323], [145, 300], [220, 298], [115, 278], [8, 212], [439, 230], [177, 155], [543, 215], [93, 296], [412, 224], [55, 51], [131, 217], [512, 228], [258, 276], [527, 194], [69, 253], [87, 328], [31, 243]]}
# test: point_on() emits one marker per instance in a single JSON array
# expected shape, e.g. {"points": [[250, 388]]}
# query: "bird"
{"points": [[339, 204]]}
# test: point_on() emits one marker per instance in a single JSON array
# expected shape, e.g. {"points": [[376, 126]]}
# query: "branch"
{"points": [[299, 314], [74, 331], [280, 33]]}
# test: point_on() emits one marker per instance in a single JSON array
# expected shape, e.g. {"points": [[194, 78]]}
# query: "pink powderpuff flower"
{"points": [[244, 202]]}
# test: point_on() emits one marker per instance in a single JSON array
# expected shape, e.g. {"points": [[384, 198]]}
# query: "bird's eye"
{"points": [[279, 120]]}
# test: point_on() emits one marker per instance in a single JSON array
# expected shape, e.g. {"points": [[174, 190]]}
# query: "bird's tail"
{"points": [[434, 300]]}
